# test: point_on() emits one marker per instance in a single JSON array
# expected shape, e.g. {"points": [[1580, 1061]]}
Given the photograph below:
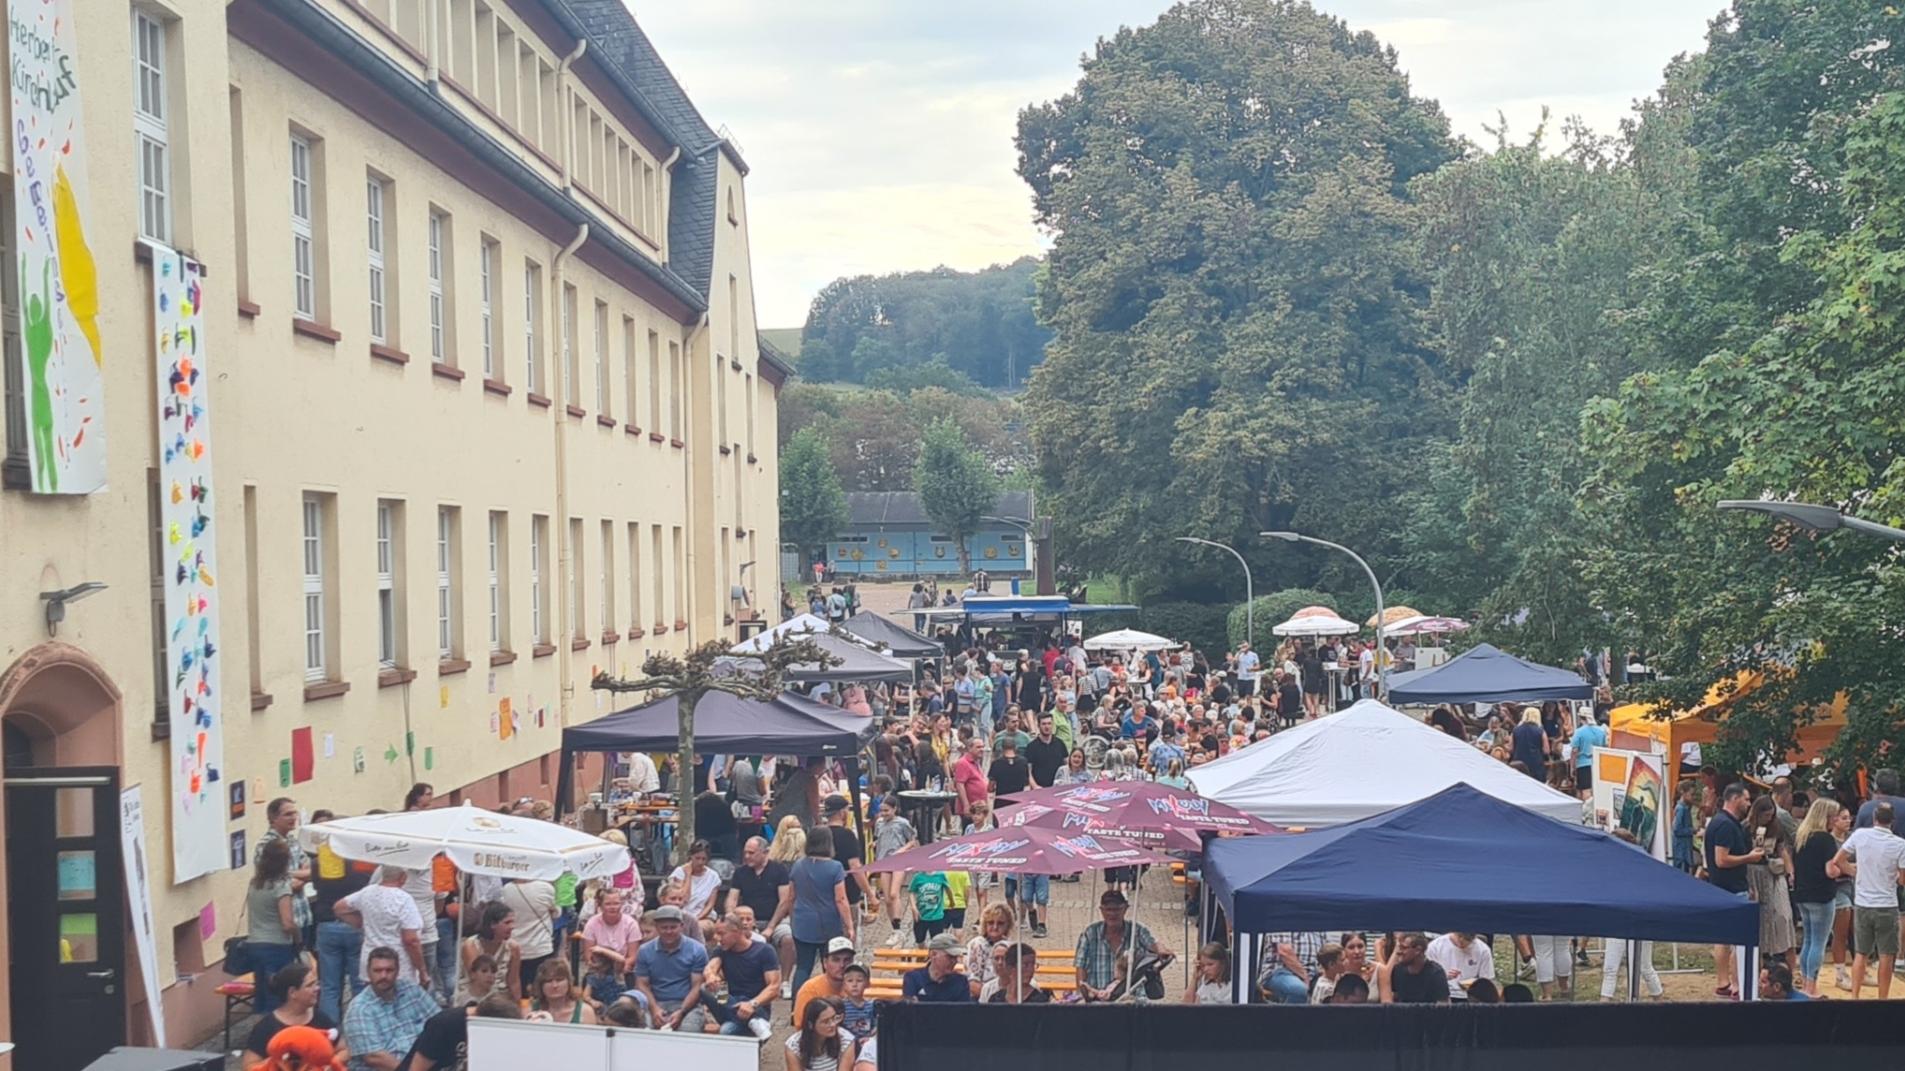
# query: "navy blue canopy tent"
{"points": [[1463, 860], [898, 640], [725, 724], [1486, 674]]}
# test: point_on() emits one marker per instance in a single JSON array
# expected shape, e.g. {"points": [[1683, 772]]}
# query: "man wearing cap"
{"points": [[669, 972], [938, 982], [1104, 941], [831, 980], [848, 849]]}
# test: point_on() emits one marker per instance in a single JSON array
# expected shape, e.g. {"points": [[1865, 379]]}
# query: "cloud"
{"points": [[880, 132]]}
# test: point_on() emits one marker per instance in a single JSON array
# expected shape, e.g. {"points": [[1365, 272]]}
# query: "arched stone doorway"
{"points": [[62, 892]]}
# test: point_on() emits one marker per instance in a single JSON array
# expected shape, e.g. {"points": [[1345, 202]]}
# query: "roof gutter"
{"points": [[340, 40]]}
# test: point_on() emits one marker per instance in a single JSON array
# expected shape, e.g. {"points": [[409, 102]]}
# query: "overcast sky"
{"points": [[880, 131]]}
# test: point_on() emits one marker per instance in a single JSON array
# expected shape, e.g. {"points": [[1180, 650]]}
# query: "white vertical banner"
{"points": [[132, 850], [189, 567], [61, 359]]}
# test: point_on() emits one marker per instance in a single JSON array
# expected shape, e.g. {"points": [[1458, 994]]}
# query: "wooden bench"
{"points": [[1056, 971]]}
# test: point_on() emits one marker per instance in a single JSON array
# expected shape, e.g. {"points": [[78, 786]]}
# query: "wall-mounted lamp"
{"points": [[56, 602]]}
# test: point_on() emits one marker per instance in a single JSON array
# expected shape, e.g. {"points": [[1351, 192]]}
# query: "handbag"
{"points": [[238, 947]]}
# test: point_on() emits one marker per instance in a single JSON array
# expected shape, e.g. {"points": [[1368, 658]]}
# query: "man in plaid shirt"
{"points": [[1289, 965], [1103, 942], [385, 1018]]}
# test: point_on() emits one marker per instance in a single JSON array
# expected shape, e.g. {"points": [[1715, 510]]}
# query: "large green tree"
{"points": [[956, 486], [1238, 317], [940, 326], [813, 508]]}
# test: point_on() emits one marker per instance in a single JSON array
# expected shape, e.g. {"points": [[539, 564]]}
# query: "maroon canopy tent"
{"points": [[1144, 812], [1021, 850]]}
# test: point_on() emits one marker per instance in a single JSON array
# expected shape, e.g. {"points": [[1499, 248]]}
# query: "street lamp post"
{"points": [[1250, 590], [1382, 652], [1816, 518]]}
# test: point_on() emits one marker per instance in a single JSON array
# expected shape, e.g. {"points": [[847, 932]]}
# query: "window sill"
{"points": [[575, 411], [739, 535], [676, 443], [446, 371], [450, 667], [726, 449], [142, 253], [325, 690], [727, 619], [657, 437], [312, 329], [631, 431], [497, 387], [538, 400], [660, 629], [259, 701], [248, 309], [605, 420], [390, 678], [385, 353], [501, 658], [579, 643], [752, 460], [611, 638], [542, 650], [680, 625], [734, 364], [636, 634]]}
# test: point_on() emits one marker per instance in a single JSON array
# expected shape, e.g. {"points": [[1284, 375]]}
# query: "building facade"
{"points": [[889, 534], [477, 339]]}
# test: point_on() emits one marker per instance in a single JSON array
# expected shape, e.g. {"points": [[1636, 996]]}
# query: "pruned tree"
{"points": [[710, 667]]}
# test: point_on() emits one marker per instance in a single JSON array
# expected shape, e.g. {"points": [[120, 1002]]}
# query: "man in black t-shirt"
{"points": [[848, 849], [1417, 979], [1009, 774], [763, 886], [752, 975], [1045, 755], [444, 1044], [1728, 853]]}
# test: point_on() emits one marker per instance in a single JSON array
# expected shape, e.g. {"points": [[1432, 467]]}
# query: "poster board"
{"points": [[1630, 792], [132, 850], [511, 1045], [62, 361]]}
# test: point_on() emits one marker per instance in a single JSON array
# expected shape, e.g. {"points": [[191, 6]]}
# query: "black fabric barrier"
{"points": [[1523, 1037]]}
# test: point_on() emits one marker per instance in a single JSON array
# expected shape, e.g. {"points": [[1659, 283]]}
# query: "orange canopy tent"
{"points": [[1701, 724]]}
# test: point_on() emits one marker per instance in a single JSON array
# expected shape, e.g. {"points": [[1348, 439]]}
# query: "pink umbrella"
{"points": [[1022, 850], [1144, 811]]}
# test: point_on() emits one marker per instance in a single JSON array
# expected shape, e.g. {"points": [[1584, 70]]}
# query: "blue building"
{"points": [[889, 534]]}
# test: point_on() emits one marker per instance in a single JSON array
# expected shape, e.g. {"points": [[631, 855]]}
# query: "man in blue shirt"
{"points": [[669, 972], [1136, 721], [1885, 789], [1591, 734], [939, 982], [387, 1016]]}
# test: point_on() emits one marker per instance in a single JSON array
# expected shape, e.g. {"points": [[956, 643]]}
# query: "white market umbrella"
{"points": [[1423, 626], [478, 841], [1128, 639], [1315, 621]]}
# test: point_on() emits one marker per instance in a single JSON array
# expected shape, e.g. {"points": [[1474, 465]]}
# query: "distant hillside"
{"points": [[941, 327], [785, 339]]}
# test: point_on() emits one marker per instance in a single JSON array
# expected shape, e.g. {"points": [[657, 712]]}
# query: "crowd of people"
{"points": [[773, 905]]}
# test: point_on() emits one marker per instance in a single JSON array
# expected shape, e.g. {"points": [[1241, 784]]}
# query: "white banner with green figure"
{"points": [[62, 361]]}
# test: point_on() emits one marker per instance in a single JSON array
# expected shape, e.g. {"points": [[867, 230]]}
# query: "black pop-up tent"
{"points": [[899, 641], [725, 724], [1487, 674]]}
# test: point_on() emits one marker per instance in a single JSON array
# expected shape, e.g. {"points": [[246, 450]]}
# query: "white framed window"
{"points": [[578, 587], [608, 575], [538, 550], [435, 260], [386, 586], [496, 521], [150, 131], [446, 588], [601, 358], [303, 245], [374, 245], [532, 300], [316, 643], [486, 274], [571, 390]]}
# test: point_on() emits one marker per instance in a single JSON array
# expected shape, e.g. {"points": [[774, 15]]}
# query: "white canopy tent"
{"points": [[1358, 762], [478, 841], [1128, 639], [798, 627]]}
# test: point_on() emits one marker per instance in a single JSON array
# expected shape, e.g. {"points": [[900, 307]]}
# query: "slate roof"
{"points": [[621, 43], [872, 509]]}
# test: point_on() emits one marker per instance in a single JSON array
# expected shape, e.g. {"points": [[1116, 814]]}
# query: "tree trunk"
{"points": [[685, 774], [965, 555]]}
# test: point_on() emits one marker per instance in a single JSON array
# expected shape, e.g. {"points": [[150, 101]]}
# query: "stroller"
{"points": [[1145, 981]]}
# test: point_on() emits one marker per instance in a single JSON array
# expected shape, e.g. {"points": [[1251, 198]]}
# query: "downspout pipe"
{"points": [[432, 29], [565, 646], [568, 111]]}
